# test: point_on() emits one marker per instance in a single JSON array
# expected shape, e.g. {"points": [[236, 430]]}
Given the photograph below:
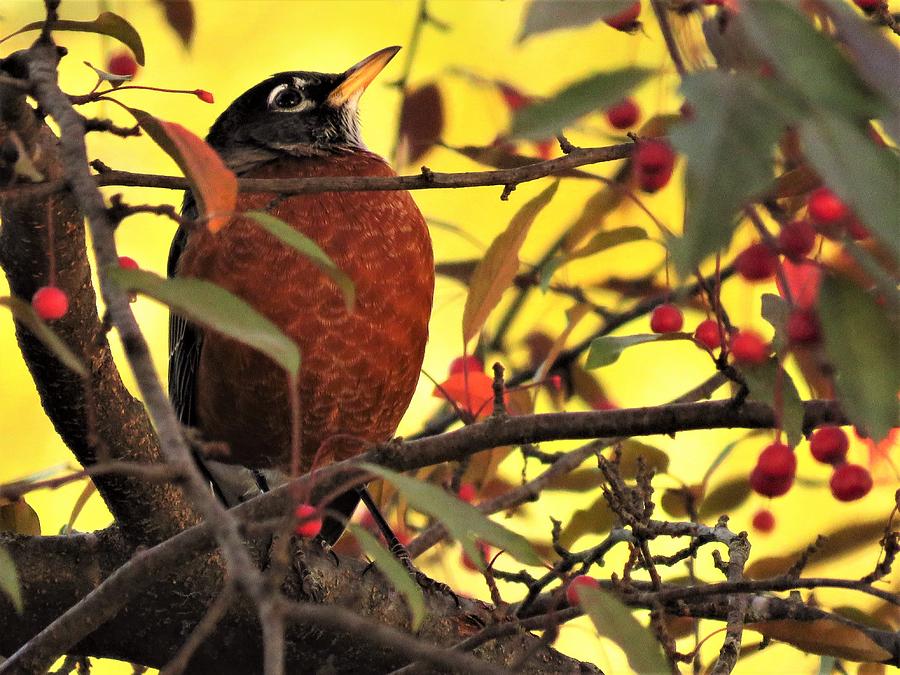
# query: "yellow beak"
{"points": [[359, 76]]}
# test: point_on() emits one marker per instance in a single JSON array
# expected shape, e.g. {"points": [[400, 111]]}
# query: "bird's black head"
{"points": [[296, 113]]}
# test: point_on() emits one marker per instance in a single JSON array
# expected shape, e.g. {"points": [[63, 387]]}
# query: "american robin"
{"points": [[360, 367]]}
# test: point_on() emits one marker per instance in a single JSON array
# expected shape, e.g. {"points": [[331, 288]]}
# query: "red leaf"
{"points": [[478, 400], [803, 279], [180, 17], [421, 122], [214, 185]]}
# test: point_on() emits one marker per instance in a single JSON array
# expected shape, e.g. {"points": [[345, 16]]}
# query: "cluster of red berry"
{"points": [[777, 464], [51, 302], [776, 468]]}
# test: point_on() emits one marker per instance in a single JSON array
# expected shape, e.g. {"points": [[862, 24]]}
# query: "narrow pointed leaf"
{"points": [[391, 568], [9, 580], [498, 268], [213, 184], [808, 60], [607, 349], [614, 621], [546, 118], [24, 313], [465, 523], [862, 345], [542, 16], [826, 637], [180, 17], [729, 147], [310, 249], [213, 307], [106, 23]]}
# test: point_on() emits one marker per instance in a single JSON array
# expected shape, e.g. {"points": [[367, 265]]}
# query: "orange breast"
{"points": [[359, 369]]}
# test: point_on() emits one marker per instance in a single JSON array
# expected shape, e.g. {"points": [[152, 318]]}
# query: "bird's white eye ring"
{"points": [[286, 98]]}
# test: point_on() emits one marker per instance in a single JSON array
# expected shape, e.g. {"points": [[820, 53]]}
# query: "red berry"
{"points": [[777, 460], [651, 182], [654, 155], [769, 486], [756, 262], [625, 20], [624, 114], [868, 5], [307, 526], [467, 492], [748, 347], [122, 63], [763, 521], [857, 230], [803, 327], [797, 239], [468, 563], [463, 364], [50, 303], [654, 162], [666, 319], [555, 382], [850, 482], [829, 445], [707, 333], [204, 95], [127, 263], [826, 208], [579, 582]]}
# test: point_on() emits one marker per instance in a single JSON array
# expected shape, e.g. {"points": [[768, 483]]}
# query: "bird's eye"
{"points": [[285, 97]]}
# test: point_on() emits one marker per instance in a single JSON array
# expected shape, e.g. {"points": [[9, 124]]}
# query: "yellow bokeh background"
{"points": [[240, 42]]}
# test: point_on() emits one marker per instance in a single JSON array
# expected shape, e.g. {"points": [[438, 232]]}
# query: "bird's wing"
{"points": [[185, 339]]}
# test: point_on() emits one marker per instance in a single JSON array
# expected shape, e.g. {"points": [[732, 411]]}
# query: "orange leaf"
{"points": [[214, 185], [477, 398], [825, 636], [498, 268]]}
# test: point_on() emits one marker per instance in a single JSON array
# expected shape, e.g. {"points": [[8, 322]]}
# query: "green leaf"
{"points": [[873, 54], [542, 16], [607, 349], [861, 343], [391, 568], [776, 311], [213, 307], [9, 580], [763, 379], [465, 523], [862, 174], [544, 119], [808, 60], [25, 314], [729, 148], [497, 269], [614, 621], [106, 23], [307, 247]]}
